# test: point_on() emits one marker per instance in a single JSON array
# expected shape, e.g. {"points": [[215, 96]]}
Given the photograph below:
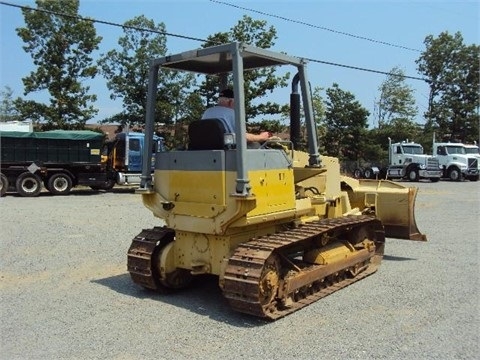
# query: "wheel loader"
{"points": [[280, 227]]}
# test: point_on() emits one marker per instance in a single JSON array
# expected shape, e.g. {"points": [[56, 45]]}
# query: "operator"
{"points": [[224, 111]]}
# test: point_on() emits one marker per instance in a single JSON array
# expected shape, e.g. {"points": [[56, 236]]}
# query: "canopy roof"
{"points": [[218, 59]]}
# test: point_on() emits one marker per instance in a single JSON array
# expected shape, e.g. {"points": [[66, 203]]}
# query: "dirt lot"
{"points": [[65, 292]]}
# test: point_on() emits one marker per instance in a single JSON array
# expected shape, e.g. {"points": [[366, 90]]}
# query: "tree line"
{"points": [[61, 49]]}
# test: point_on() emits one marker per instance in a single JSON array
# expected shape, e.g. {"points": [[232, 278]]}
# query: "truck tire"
{"points": [[454, 174], [28, 184], [358, 174], [413, 175], [473, 178], [108, 185], [59, 184], [369, 173], [3, 185], [383, 174]]}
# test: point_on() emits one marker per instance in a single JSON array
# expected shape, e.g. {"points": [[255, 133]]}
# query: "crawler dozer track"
{"points": [[269, 276], [140, 257], [263, 277]]}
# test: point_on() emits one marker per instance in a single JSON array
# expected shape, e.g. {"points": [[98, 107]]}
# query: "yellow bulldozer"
{"points": [[280, 227]]}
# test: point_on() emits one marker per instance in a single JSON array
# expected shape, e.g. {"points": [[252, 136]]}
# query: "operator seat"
{"points": [[206, 134]]}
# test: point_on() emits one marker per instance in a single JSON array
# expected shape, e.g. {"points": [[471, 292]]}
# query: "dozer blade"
{"points": [[394, 205]]}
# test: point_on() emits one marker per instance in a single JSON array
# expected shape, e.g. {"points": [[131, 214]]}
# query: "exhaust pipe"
{"points": [[295, 113]]}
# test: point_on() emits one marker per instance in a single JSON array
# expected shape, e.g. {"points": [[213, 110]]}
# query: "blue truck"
{"points": [[60, 160], [126, 170]]}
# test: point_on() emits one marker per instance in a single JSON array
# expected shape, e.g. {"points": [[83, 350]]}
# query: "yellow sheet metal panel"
{"points": [[274, 190], [205, 187]]}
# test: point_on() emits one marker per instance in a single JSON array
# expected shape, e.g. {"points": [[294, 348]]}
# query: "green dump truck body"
{"points": [[59, 159], [56, 146]]}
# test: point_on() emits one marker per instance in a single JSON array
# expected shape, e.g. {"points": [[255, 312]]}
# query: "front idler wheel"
{"points": [[169, 277], [269, 282]]}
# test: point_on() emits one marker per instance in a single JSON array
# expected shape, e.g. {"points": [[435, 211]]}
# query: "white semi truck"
{"points": [[456, 164], [407, 160]]}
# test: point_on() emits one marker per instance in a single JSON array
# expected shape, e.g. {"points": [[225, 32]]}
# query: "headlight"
{"points": [[229, 139]]}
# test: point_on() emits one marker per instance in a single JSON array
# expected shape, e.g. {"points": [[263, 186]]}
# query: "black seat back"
{"points": [[206, 134]]}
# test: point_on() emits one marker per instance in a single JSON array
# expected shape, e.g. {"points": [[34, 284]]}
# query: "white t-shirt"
{"points": [[226, 114]]}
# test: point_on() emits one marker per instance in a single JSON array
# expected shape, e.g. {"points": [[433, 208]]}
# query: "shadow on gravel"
{"points": [[202, 297], [396, 258], [46, 194], [81, 192]]}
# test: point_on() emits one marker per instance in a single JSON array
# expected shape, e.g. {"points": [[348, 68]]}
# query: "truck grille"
{"points": [[433, 164], [473, 163]]}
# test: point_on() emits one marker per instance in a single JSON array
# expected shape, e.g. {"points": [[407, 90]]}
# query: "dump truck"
{"points": [[57, 159], [61, 160], [279, 227]]}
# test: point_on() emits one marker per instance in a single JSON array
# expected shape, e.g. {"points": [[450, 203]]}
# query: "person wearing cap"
{"points": [[224, 111]]}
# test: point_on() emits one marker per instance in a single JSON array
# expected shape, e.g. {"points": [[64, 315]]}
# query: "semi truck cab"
{"points": [[455, 163], [408, 160], [127, 169]]}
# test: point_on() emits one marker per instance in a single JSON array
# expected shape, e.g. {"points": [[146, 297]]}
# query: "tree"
{"points": [[396, 111], [258, 83], [60, 46], [127, 70], [396, 99], [398, 130], [318, 104], [346, 123], [452, 69], [8, 111]]}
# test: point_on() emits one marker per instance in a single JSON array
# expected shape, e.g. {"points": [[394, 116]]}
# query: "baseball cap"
{"points": [[226, 93]]}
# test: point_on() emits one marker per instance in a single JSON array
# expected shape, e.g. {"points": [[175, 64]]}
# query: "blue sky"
{"points": [[404, 24]]}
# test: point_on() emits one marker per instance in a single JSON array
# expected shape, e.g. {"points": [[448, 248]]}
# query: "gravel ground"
{"points": [[65, 292]]}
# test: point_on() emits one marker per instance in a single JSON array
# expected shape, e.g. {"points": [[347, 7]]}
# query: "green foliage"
{"points": [[396, 99], [8, 111], [60, 47], [127, 74], [318, 104], [345, 124], [274, 126], [398, 130], [453, 72], [396, 112], [258, 83]]}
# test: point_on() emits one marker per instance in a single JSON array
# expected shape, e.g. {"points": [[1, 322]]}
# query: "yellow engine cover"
{"points": [[195, 191]]}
